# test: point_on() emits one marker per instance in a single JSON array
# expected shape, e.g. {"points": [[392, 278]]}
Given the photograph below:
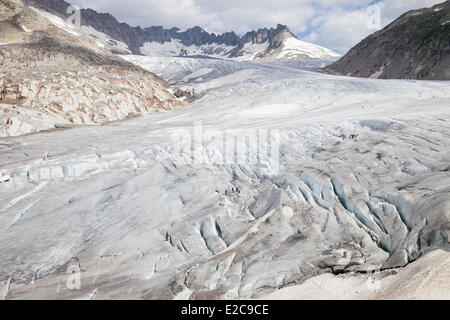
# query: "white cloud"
{"points": [[337, 24], [340, 29]]}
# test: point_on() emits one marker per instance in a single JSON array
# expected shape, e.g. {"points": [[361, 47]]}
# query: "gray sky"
{"points": [[336, 24]]}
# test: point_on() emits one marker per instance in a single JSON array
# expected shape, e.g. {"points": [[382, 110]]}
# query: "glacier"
{"points": [[116, 211]]}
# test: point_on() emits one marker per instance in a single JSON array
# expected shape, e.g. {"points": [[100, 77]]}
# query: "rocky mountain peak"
{"points": [[264, 34], [280, 27]]}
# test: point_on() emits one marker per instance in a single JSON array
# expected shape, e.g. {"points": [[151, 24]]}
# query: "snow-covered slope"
{"points": [[175, 48], [293, 48], [361, 183]]}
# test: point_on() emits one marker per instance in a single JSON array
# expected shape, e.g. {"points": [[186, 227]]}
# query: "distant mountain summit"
{"points": [[277, 44], [265, 44], [415, 46]]}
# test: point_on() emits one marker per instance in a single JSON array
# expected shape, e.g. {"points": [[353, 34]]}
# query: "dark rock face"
{"points": [[135, 37], [415, 46], [263, 35], [56, 7], [106, 23]]}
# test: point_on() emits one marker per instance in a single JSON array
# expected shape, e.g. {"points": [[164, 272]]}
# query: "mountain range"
{"points": [[264, 44]]}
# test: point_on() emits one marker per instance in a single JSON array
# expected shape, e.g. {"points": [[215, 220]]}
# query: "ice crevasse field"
{"points": [[361, 182]]}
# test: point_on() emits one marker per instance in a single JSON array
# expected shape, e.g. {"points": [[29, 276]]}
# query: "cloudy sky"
{"points": [[336, 24]]}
